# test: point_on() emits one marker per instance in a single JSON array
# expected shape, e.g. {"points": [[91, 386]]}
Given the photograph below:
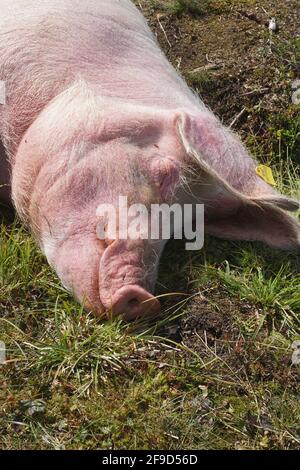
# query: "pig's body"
{"points": [[88, 92], [47, 45]]}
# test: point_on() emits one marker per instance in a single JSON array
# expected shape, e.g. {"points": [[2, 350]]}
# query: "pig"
{"points": [[94, 110]]}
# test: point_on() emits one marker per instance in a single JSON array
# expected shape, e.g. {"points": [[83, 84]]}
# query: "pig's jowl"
{"points": [[93, 111]]}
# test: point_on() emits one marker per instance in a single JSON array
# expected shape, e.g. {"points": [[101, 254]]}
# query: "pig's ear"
{"points": [[250, 208], [261, 222], [165, 173]]}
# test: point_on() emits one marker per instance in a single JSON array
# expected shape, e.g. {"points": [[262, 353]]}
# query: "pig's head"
{"points": [[107, 269], [96, 157], [83, 152]]}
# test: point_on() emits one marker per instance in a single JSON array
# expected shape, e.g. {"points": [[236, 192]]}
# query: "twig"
{"points": [[207, 67], [268, 14], [238, 117], [253, 92], [163, 30], [208, 59]]}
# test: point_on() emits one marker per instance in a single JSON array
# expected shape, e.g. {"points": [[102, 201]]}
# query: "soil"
{"points": [[246, 69]]}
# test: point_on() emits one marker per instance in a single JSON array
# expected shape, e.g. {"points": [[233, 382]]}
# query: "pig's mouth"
{"points": [[123, 282]]}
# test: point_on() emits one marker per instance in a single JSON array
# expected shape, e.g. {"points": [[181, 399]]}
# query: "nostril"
{"points": [[134, 302]]}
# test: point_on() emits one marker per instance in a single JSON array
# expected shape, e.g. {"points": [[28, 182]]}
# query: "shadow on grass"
{"points": [[7, 215]]}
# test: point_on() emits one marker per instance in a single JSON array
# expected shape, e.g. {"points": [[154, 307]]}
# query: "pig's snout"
{"points": [[133, 302], [124, 284]]}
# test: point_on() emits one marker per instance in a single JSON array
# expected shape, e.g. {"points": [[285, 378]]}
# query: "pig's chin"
{"points": [[123, 284]]}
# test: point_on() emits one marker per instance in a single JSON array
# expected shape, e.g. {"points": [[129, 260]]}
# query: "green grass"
{"points": [[279, 291], [200, 78], [193, 7]]}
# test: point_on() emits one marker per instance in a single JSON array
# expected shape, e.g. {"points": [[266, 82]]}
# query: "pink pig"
{"points": [[94, 110]]}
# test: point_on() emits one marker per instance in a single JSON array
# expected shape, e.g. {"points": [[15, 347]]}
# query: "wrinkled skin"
{"points": [[94, 111]]}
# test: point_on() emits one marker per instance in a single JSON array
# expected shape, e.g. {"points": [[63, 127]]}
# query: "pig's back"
{"points": [[46, 45]]}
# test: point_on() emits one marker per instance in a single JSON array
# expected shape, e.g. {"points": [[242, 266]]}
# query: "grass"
{"points": [[191, 6], [177, 7], [74, 383], [278, 291], [200, 78], [194, 7], [213, 372]]}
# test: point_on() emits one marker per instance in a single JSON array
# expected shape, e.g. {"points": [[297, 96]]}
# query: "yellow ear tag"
{"points": [[265, 172]]}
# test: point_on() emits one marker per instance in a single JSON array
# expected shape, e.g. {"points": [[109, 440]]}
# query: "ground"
{"points": [[215, 371]]}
